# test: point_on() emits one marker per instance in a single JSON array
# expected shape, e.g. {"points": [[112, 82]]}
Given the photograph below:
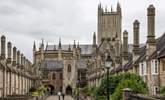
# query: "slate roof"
{"points": [[51, 65], [81, 64], [160, 52], [85, 49]]}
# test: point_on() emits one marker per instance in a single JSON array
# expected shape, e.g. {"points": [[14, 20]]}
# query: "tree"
{"points": [[118, 82]]}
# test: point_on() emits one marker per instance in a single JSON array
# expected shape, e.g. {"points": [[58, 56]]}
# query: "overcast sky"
{"points": [[24, 21]]}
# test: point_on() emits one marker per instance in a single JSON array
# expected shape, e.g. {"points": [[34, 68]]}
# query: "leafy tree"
{"points": [[162, 91], [118, 82], [129, 83]]}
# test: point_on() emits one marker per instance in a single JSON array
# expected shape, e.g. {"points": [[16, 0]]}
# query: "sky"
{"points": [[26, 21]]}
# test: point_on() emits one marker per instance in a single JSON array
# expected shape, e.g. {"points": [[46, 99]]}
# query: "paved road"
{"points": [[57, 98]]}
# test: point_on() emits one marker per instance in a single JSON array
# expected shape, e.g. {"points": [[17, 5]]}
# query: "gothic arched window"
{"points": [[54, 76], [69, 68]]}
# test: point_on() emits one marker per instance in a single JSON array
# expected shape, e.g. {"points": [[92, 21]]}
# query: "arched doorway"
{"points": [[68, 90], [50, 89]]}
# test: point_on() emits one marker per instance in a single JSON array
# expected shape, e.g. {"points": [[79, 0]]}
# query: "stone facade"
{"points": [[63, 62], [15, 78], [75, 62], [146, 60]]}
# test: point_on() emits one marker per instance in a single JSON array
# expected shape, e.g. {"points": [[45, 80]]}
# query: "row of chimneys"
{"points": [[17, 58], [150, 38]]}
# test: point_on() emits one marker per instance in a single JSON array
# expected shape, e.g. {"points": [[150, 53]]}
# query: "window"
{"points": [[156, 89], [140, 69], [144, 68], [54, 76], [154, 66], [61, 76], [69, 68], [163, 65]]}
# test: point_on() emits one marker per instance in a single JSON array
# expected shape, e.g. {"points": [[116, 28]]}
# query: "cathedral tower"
{"points": [[109, 23]]}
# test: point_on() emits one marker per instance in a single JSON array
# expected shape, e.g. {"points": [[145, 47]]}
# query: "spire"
{"points": [[42, 42], [99, 6], [78, 45], [54, 47], [47, 45], [34, 46], [74, 45], [118, 7], [59, 46], [111, 8], [69, 48], [94, 38], [106, 9]]}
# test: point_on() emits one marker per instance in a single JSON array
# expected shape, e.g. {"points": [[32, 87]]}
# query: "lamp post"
{"points": [[78, 82], [108, 64]]}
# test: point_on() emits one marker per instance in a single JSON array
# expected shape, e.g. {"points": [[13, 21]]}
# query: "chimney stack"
{"points": [[9, 46], [3, 47], [14, 55]]}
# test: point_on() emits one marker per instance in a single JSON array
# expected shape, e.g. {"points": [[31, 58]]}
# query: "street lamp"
{"points": [[78, 82], [108, 64]]}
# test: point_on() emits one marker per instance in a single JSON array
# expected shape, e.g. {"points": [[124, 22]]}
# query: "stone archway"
{"points": [[68, 90], [50, 89]]}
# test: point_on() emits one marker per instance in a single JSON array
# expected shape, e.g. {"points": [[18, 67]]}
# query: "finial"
{"points": [[34, 46], [69, 48], [54, 47], [42, 41], [99, 5], [74, 45], [78, 45], [59, 42], [111, 8], [94, 35], [106, 8]]}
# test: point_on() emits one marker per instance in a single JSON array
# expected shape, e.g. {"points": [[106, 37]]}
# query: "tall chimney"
{"points": [[125, 45], [151, 42], [151, 24], [14, 55], [22, 60], [9, 46], [136, 40], [18, 58], [3, 47]]}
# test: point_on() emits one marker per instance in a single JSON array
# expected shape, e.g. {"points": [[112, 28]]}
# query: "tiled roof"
{"points": [[81, 64], [51, 65], [85, 49]]}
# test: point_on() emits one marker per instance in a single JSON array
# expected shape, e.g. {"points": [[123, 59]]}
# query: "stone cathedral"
{"points": [[65, 67]]}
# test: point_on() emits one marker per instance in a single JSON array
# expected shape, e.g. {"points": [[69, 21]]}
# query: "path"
{"points": [[57, 98]]}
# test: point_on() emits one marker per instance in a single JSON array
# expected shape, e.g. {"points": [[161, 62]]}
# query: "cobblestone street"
{"points": [[57, 98]]}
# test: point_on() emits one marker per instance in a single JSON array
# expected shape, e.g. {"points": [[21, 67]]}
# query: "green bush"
{"points": [[129, 83], [118, 82], [162, 91]]}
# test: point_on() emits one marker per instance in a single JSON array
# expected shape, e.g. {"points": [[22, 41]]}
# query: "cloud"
{"points": [[24, 21]]}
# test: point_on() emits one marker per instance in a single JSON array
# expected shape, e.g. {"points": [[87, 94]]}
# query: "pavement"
{"points": [[57, 98]]}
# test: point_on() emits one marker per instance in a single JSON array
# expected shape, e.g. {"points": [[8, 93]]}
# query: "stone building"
{"points": [[63, 67], [146, 60], [17, 74]]}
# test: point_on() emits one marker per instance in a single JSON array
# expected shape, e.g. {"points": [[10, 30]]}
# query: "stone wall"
{"points": [[129, 95]]}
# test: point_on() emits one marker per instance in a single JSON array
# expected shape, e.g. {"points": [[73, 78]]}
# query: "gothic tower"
{"points": [[109, 23]]}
